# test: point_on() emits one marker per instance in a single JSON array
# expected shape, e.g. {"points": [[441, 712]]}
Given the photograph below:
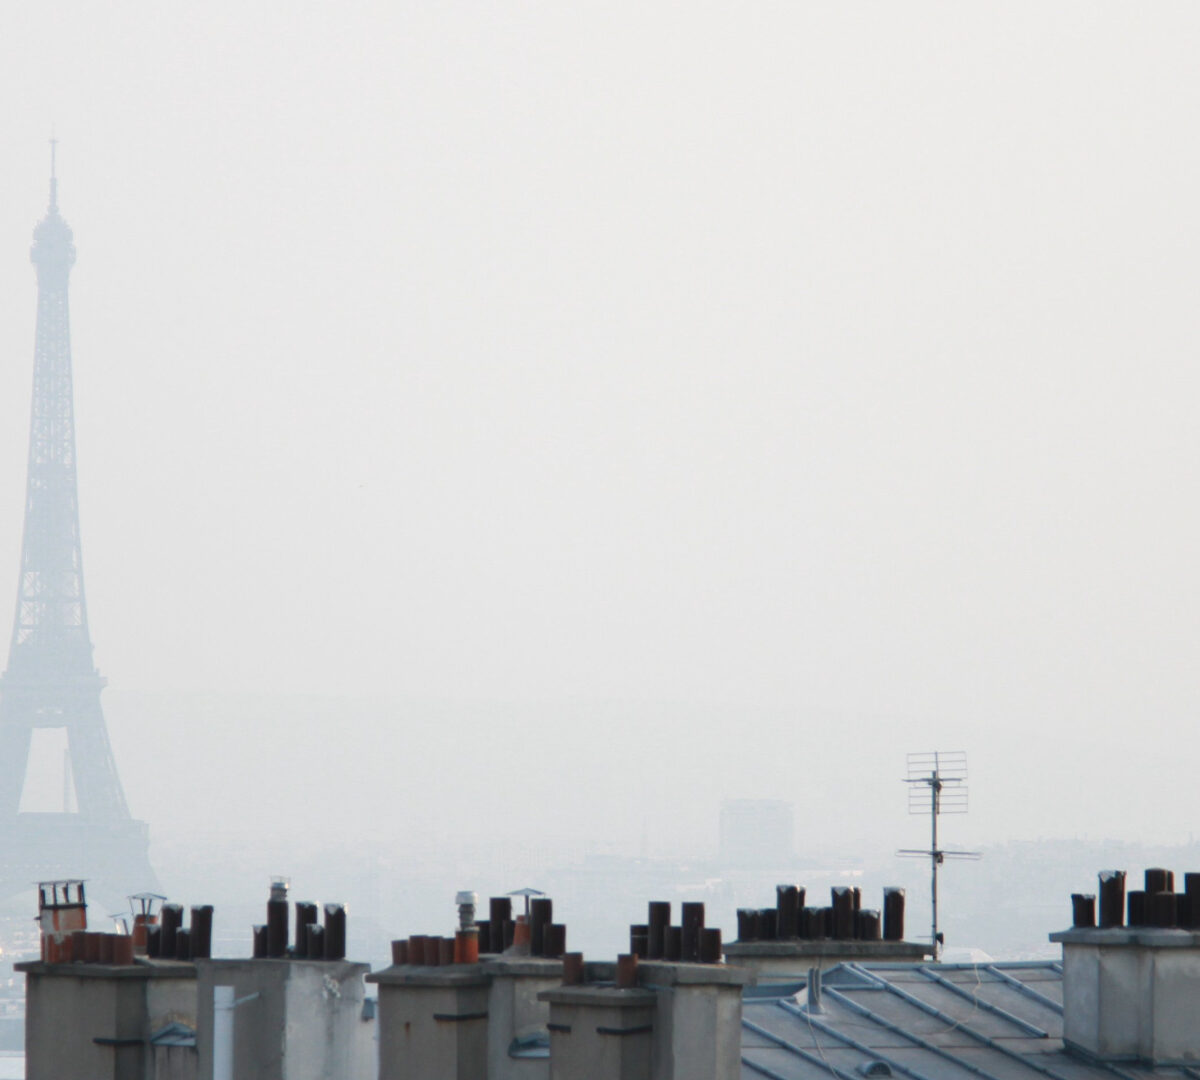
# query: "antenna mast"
{"points": [[937, 784]]}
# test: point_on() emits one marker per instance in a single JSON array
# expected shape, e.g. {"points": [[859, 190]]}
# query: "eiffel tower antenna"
{"points": [[51, 681], [53, 173]]}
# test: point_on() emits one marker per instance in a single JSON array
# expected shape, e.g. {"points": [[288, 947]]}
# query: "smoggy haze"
{"points": [[775, 361]]}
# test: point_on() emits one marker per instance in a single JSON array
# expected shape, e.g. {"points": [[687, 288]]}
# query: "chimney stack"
{"points": [[1132, 992]]}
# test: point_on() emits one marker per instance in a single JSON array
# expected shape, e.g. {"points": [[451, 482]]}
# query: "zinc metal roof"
{"points": [[996, 1021]]}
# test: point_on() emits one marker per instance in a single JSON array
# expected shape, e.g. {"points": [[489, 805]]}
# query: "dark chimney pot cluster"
{"points": [[170, 940], [314, 940], [535, 934], [1156, 905], [845, 919], [691, 942]]}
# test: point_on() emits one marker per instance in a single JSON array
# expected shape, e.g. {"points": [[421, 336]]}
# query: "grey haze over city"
{"points": [[506, 432]]}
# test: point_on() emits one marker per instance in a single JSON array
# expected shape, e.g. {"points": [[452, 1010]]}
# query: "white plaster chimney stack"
{"points": [[1131, 986]]}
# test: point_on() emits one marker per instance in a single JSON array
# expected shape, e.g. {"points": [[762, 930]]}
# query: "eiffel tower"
{"points": [[51, 680]]}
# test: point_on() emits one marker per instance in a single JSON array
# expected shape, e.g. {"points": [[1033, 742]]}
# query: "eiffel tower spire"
{"points": [[51, 680]]}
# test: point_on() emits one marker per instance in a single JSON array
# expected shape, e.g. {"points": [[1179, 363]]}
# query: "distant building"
{"points": [[757, 832]]}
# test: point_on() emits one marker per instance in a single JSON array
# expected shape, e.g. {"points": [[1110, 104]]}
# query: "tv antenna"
{"points": [[937, 784]]}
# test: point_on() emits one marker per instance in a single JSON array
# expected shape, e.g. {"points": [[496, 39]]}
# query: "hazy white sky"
{"points": [[832, 356]]}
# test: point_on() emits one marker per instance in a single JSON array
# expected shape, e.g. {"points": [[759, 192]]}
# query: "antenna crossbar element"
{"points": [[937, 784], [937, 780]]}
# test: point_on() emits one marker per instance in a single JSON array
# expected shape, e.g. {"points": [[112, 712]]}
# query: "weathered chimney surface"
{"points": [[293, 1018], [648, 1020], [600, 1032], [1131, 986], [433, 1021], [464, 1017]]}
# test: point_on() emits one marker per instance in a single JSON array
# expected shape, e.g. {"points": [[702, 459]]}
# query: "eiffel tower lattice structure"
{"points": [[51, 680]]}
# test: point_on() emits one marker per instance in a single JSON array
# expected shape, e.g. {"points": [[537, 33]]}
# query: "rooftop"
{"points": [[1001, 1021]]}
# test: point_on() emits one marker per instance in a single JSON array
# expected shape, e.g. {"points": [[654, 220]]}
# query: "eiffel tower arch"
{"points": [[51, 681]]}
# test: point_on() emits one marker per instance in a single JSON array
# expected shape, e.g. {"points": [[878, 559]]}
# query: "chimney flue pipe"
{"points": [[172, 919], [787, 908], [202, 918], [554, 940], [306, 914], [1189, 903], [499, 913], [1083, 909], [658, 919], [693, 923], [1159, 880], [1138, 908], [466, 945], [1163, 909], [1112, 898], [314, 935], [122, 950], [639, 940], [335, 932], [710, 945], [572, 969], [893, 913], [842, 902], [541, 915], [277, 927]]}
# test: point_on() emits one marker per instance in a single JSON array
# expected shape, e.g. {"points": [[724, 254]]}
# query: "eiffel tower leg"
{"points": [[97, 787], [14, 758]]}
